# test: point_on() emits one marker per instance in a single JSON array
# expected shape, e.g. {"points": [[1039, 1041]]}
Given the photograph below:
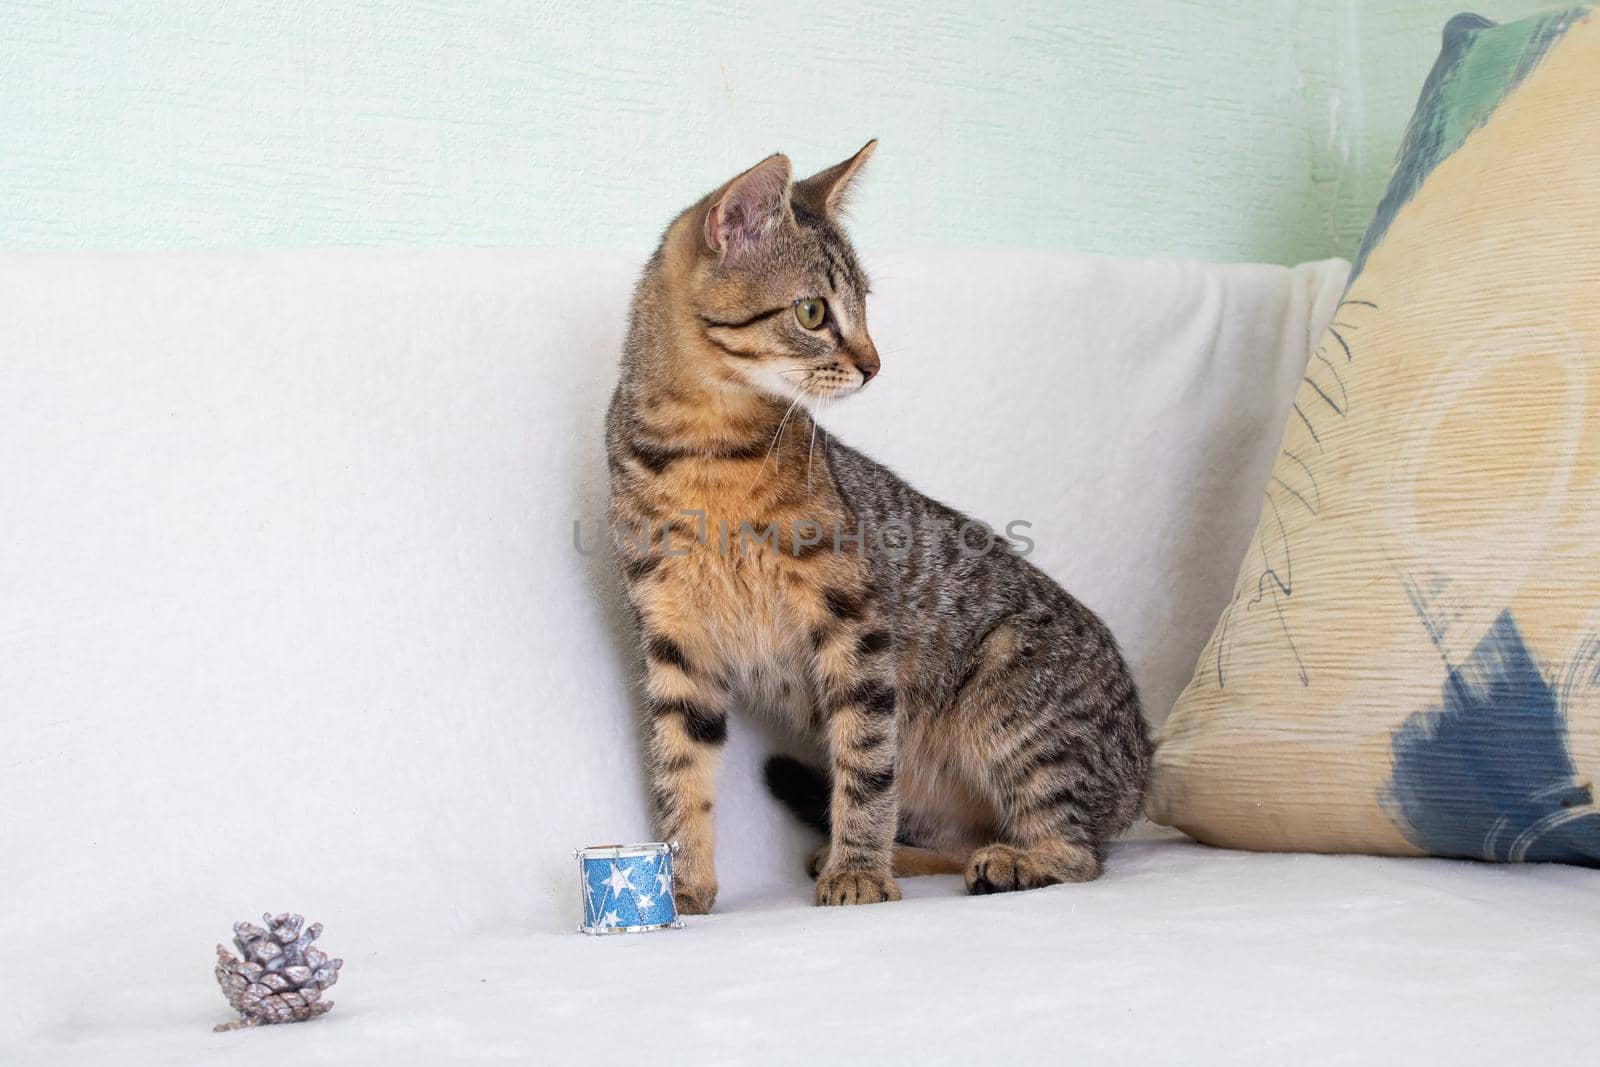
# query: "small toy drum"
{"points": [[627, 889]]}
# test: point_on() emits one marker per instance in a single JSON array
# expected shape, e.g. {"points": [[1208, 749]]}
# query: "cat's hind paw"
{"points": [[1005, 868]]}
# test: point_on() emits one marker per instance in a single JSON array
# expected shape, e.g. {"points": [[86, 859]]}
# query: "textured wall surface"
{"points": [[1384, 49], [1255, 130]]}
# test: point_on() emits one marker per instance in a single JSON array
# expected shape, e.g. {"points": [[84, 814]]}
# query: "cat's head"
{"points": [[772, 286]]}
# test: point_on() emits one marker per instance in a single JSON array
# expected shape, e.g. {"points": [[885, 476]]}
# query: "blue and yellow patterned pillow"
{"points": [[1410, 662]]}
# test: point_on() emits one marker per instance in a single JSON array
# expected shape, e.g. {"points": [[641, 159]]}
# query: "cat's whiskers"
{"points": [[823, 404], [812, 446], [798, 396]]}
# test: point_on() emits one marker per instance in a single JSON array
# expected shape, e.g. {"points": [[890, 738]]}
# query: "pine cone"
{"points": [[281, 978]]}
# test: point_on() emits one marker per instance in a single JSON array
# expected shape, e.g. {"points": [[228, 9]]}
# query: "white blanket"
{"points": [[1180, 954], [292, 620]]}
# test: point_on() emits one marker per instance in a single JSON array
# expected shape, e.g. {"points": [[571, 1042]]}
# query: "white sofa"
{"points": [[291, 618]]}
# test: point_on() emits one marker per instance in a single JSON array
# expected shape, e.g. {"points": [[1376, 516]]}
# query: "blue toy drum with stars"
{"points": [[627, 889]]}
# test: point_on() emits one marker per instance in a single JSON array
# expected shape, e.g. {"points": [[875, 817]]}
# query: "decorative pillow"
{"points": [[1410, 662]]}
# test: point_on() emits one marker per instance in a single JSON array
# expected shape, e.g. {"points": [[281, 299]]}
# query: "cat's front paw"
{"points": [[694, 899], [856, 886]]}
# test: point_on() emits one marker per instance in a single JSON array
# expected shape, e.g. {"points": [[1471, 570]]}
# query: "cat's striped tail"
{"points": [[804, 790]]}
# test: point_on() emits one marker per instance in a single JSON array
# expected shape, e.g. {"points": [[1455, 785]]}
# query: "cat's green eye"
{"points": [[811, 311]]}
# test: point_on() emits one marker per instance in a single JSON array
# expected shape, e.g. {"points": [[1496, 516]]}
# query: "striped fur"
{"points": [[972, 709]]}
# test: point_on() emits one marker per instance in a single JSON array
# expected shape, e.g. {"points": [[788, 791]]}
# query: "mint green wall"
{"points": [[1251, 130]]}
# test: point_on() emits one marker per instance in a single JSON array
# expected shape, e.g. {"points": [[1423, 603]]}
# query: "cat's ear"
{"points": [[749, 209], [824, 191]]}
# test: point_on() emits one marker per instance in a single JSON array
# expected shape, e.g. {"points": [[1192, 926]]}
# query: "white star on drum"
{"points": [[619, 879]]}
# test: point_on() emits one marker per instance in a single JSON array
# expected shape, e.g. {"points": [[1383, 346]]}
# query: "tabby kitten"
{"points": [[977, 717]]}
